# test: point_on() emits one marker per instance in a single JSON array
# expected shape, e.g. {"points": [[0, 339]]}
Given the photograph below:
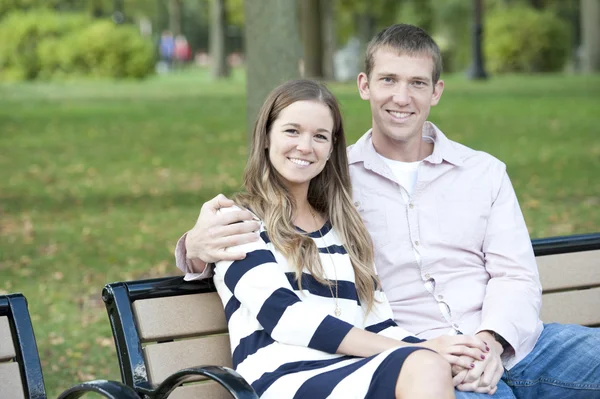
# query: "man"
{"points": [[452, 249]]}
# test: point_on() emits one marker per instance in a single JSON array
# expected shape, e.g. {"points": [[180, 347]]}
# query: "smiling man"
{"points": [[451, 246]]}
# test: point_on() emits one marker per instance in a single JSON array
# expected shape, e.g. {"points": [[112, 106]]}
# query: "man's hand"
{"points": [[484, 377], [459, 350], [213, 232]]}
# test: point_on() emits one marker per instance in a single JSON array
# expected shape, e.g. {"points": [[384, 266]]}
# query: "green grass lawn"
{"points": [[99, 179]]}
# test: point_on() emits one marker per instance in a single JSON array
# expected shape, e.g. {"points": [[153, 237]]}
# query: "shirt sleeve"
{"points": [[184, 264], [260, 285], [381, 321], [513, 296]]}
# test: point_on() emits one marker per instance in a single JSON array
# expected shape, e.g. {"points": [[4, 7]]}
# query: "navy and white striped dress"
{"points": [[284, 340]]}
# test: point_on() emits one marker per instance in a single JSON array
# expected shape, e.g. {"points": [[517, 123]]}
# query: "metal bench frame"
{"points": [[14, 306]]}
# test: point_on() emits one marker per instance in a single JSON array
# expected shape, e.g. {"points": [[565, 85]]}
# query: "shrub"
{"points": [[45, 44], [21, 32], [104, 49], [521, 39]]}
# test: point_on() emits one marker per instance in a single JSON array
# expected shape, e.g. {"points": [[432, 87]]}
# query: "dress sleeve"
{"points": [[261, 286]]}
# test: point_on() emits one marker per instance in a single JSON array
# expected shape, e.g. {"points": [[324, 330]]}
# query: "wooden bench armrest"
{"points": [[108, 389], [233, 382]]}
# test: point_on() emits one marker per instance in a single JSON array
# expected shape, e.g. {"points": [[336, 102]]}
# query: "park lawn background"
{"points": [[99, 179]]}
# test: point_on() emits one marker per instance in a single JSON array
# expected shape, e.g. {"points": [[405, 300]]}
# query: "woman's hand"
{"points": [[458, 350]]}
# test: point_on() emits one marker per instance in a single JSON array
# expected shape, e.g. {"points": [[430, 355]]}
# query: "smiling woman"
{"points": [[300, 142]]}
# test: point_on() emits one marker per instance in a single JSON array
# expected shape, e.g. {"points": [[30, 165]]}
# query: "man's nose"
{"points": [[401, 95]]}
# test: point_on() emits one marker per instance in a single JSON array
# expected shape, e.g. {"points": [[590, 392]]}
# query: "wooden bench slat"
{"points": [[164, 359], [576, 307], [11, 385], [208, 390], [161, 319], [566, 271], [7, 347]]}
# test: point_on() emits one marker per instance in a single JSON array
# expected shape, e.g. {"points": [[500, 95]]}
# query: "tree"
{"points": [[477, 70], [218, 47], [329, 38], [590, 35], [272, 49], [175, 17], [312, 38]]}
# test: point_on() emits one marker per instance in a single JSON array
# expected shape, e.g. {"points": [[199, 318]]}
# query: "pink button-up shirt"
{"points": [[464, 221], [456, 256]]}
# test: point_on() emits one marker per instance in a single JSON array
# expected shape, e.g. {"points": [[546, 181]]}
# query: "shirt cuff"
{"points": [[190, 266]]}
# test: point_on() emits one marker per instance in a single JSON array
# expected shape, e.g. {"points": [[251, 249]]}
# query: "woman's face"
{"points": [[300, 142]]}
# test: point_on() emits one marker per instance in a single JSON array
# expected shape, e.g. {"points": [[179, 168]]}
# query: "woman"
{"points": [[306, 314]]}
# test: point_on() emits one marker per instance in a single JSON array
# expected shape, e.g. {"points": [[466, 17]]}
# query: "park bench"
{"points": [[163, 325], [20, 368]]}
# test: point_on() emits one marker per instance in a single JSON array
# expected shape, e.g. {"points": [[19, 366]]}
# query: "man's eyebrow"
{"points": [[394, 75], [297, 125]]}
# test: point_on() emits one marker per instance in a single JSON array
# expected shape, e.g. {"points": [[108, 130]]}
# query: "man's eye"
{"points": [[420, 83], [387, 80]]}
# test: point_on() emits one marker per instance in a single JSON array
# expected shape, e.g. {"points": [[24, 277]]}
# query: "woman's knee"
{"points": [[425, 373]]}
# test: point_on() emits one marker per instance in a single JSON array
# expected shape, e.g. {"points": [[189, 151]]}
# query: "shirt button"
{"points": [[427, 276], [455, 326], [440, 297], [417, 243], [357, 203], [411, 206]]}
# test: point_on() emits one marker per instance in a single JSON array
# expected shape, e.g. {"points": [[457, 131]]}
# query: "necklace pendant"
{"points": [[338, 311]]}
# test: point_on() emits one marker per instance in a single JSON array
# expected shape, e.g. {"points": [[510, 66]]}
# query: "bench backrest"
{"points": [[570, 274], [164, 325], [20, 367]]}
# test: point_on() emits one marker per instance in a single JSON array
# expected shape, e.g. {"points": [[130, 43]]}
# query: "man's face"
{"points": [[401, 93]]}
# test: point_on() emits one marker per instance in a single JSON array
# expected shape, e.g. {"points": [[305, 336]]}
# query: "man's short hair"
{"points": [[406, 39]]}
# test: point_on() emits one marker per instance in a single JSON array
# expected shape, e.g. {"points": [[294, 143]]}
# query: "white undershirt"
{"points": [[405, 173]]}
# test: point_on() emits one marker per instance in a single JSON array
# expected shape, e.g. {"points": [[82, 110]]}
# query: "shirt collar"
{"points": [[443, 149]]}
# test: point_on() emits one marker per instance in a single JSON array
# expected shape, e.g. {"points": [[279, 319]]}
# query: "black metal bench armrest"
{"points": [[108, 389], [228, 378]]}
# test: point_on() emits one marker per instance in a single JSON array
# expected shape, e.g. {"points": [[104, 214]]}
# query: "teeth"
{"points": [[299, 161], [400, 114]]}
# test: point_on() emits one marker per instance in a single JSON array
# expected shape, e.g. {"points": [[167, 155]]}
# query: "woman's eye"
{"points": [[291, 131], [322, 137]]}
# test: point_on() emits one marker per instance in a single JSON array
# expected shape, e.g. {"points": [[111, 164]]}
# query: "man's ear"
{"points": [[438, 89], [362, 82]]}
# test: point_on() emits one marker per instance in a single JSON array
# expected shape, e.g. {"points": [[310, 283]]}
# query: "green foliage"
{"points": [[21, 32], [105, 50], [46, 44], [521, 39]]}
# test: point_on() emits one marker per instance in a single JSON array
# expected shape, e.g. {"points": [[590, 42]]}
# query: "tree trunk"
{"points": [[477, 70], [175, 17], [329, 38], [590, 35], [272, 49], [218, 46], [366, 31], [312, 39]]}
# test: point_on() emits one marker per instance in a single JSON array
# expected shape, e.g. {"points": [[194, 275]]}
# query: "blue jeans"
{"points": [[564, 364]]}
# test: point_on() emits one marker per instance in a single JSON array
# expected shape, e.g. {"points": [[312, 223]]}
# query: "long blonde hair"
{"points": [[329, 193]]}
